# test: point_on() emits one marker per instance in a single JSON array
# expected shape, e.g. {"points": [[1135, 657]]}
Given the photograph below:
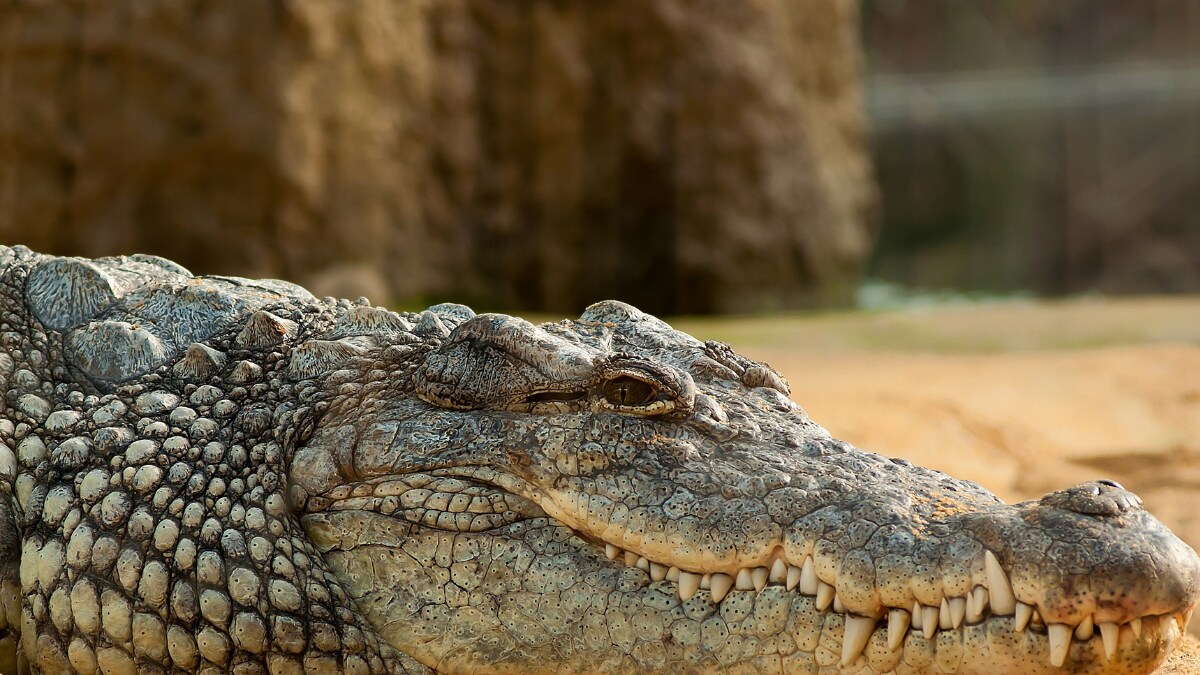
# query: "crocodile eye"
{"points": [[628, 391]]}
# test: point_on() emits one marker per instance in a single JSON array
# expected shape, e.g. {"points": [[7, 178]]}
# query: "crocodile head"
{"points": [[214, 474], [609, 494]]}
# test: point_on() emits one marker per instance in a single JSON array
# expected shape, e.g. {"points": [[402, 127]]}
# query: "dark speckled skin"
{"points": [[218, 474]]}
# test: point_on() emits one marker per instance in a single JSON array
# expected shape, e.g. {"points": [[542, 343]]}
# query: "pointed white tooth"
{"points": [[744, 581], [612, 551], [1152, 622], [808, 577], [793, 577], [1060, 642], [978, 599], [1136, 625], [657, 572], [1024, 613], [779, 570], [673, 574], [706, 582], [918, 617], [854, 639], [825, 594], [1109, 632], [958, 608], [1000, 590], [838, 606], [1084, 630], [688, 585], [631, 559], [759, 576], [929, 621], [898, 620], [945, 621], [643, 563], [721, 583]]}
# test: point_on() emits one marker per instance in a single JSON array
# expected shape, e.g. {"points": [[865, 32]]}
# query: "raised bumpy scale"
{"points": [[214, 474]]}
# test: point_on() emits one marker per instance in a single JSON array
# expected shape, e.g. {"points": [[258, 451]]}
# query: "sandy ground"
{"points": [[1024, 398]]}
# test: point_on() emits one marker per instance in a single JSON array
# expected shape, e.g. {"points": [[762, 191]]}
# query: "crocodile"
{"points": [[218, 474]]}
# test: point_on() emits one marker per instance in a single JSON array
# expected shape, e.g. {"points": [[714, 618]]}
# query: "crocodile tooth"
{"points": [[1136, 625], [898, 620], [779, 570], [657, 572], [1060, 642], [793, 577], [979, 599], [1024, 613], [688, 585], [958, 608], [837, 605], [673, 574], [918, 617], [854, 638], [1109, 632], [999, 589], [808, 577], [706, 582], [825, 594], [945, 622], [643, 563], [744, 582], [759, 576], [1151, 622], [611, 552], [631, 558], [721, 584], [1085, 630], [929, 621]]}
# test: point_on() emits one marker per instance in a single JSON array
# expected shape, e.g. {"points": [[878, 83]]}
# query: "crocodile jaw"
{"points": [[536, 597], [549, 587]]}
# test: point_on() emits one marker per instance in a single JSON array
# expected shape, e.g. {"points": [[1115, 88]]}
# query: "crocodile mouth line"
{"points": [[455, 502], [995, 600], [443, 502]]}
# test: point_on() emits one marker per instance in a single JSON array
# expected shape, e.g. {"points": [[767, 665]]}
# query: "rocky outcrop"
{"points": [[687, 156]]}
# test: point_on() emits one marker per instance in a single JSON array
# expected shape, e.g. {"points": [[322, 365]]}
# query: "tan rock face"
{"points": [[682, 156]]}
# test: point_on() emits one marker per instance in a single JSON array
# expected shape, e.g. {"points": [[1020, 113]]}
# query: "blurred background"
{"points": [[689, 157], [1041, 147]]}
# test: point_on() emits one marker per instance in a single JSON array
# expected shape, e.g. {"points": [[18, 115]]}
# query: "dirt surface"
{"points": [[1024, 398]]}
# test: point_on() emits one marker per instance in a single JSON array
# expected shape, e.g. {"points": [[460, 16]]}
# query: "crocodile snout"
{"points": [[1096, 498]]}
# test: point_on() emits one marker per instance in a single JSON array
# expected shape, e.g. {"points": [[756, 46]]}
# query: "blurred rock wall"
{"points": [[687, 156]]}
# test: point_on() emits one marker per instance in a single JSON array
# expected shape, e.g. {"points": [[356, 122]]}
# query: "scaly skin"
{"points": [[221, 475]]}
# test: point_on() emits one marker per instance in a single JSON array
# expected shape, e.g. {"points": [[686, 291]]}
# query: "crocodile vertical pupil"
{"points": [[628, 391]]}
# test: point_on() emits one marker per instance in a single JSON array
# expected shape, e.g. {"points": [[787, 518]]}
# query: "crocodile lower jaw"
{"points": [[994, 602], [904, 634], [415, 498]]}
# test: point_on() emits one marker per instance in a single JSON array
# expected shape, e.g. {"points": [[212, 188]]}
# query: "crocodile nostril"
{"points": [[1111, 483]]}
